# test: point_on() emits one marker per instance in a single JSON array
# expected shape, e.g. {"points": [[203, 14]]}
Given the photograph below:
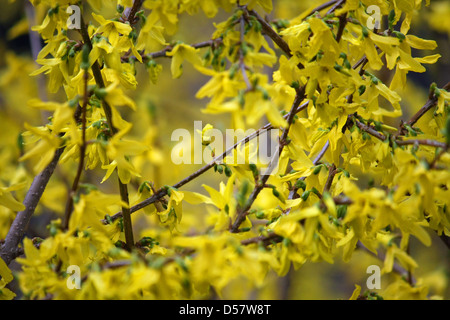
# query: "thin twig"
{"points": [[370, 130], [163, 191], [76, 181], [268, 239], [242, 213], [241, 54], [427, 106], [123, 189]]}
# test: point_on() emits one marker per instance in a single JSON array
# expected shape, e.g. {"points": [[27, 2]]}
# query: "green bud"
{"points": [[365, 32], [314, 190], [88, 187], [305, 195], [275, 192], [317, 169], [259, 215], [241, 98], [85, 58], [254, 169], [365, 136], [158, 263], [108, 219], [447, 130], [228, 171], [100, 93], [133, 35], [286, 242], [233, 70], [337, 67], [341, 211], [361, 89], [265, 94], [151, 63], [257, 26], [144, 185], [300, 184], [391, 17], [378, 125], [399, 35], [73, 102]]}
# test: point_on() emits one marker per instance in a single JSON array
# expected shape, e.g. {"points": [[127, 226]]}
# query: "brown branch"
{"points": [[335, 6], [342, 23], [427, 106], [242, 213], [163, 52], [425, 142], [370, 130], [123, 189], [134, 9], [266, 240], [331, 173]]}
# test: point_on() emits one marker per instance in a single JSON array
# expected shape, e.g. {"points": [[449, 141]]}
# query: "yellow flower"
{"points": [[118, 151], [45, 148], [112, 30], [8, 201], [6, 277], [180, 53], [206, 137]]}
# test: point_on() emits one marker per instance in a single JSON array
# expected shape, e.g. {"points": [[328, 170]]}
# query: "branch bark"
{"points": [[242, 213], [123, 189], [9, 250]]}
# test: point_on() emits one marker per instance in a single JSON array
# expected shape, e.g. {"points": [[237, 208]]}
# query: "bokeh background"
{"points": [[172, 104]]}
